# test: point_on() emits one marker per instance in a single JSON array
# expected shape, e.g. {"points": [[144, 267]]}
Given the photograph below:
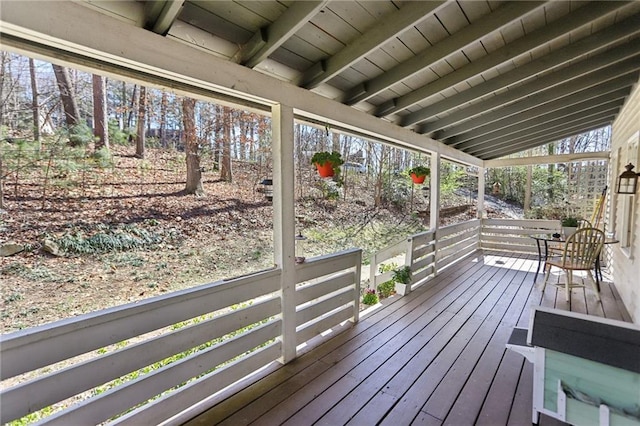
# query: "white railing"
{"points": [[514, 234], [375, 276], [182, 347], [454, 242], [421, 257]]}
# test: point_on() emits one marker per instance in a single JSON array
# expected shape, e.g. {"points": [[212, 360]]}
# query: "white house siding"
{"points": [[626, 262]]}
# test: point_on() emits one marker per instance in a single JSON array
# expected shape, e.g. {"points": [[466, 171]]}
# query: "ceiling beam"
{"points": [[459, 40], [578, 101], [545, 63], [160, 15], [533, 142], [574, 91], [265, 41], [543, 128], [576, 19], [71, 34], [547, 159], [604, 66], [395, 23], [546, 121]]}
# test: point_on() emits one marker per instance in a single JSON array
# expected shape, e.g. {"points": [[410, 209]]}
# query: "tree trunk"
{"points": [[142, 114], [100, 126], [132, 108], [225, 166], [192, 152], [71, 112], [163, 120], [35, 107], [4, 59]]}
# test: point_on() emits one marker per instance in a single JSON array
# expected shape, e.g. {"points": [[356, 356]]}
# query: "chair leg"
{"points": [[595, 285], [568, 284], [546, 276]]}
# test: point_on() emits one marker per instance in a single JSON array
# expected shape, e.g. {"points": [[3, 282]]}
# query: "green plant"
{"points": [[370, 297], [402, 275], [322, 157], [420, 171], [386, 289], [570, 221]]}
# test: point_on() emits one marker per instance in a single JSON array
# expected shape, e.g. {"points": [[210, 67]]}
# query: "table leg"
{"points": [[535, 277]]}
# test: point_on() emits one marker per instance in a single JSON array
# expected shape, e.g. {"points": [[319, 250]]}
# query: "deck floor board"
{"points": [[436, 356]]}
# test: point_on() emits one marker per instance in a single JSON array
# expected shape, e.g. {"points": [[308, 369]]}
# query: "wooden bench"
{"points": [[586, 368]]}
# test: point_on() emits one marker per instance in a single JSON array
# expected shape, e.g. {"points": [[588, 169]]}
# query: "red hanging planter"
{"points": [[325, 170], [417, 179]]}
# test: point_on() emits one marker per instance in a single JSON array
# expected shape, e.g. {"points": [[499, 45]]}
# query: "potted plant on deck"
{"points": [[327, 163], [402, 278], [569, 225], [419, 173]]}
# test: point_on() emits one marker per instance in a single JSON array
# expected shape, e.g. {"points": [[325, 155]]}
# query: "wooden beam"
{"points": [[467, 35], [541, 131], [607, 65], [541, 124], [71, 34], [576, 19], [547, 138], [396, 22], [519, 111], [576, 102], [267, 40], [547, 159], [168, 14], [543, 64]]}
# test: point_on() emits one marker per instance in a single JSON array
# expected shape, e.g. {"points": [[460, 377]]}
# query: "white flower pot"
{"points": [[402, 289]]}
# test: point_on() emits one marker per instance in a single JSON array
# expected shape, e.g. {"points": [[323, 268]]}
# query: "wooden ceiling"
{"points": [[489, 78]]}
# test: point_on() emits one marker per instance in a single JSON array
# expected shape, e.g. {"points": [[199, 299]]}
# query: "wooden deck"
{"points": [[436, 356]]}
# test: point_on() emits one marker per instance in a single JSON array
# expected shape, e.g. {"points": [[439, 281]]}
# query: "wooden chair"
{"points": [[556, 249], [579, 254]]}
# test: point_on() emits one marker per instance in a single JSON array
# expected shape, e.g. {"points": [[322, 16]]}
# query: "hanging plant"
{"points": [[327, 163], [419, 173]]}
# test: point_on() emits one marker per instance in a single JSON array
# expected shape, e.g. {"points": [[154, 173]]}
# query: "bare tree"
{"points": [[35, 107], [142, 115], [163, 119], [225, 166], [100, 126], [192, 150], [71, 112]]}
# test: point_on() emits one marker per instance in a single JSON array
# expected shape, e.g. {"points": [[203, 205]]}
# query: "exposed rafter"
{"points": [[161, 14], [265, 41], [577, 19], [543, 124], [552, 110], [581, 75], [548, 62], [395, 23], [548, 137], [575, 92], [459, 40]]}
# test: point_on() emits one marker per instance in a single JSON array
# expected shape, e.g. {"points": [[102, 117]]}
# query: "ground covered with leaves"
{"points": [[102, 233]]}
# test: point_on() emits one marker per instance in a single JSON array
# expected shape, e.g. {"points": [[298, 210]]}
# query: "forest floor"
{"points": [[126, 232]]}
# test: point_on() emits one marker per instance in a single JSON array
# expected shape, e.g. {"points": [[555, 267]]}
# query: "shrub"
{"points": [[386, 289], [402, 275], [370, 297]]}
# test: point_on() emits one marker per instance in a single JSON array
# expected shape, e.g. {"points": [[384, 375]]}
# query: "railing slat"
{"points": [[65, 339], [309, 313], [118, 400], [46, 390]]}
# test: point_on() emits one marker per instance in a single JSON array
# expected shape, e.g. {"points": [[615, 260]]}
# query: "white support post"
{"points": [[434, 214], [284, 222], [480, 206]]}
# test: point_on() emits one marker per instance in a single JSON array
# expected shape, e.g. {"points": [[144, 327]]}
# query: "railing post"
{"points": [[356, 302], [284, 223], [408, 259], [480, 206], [434, 214]]}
